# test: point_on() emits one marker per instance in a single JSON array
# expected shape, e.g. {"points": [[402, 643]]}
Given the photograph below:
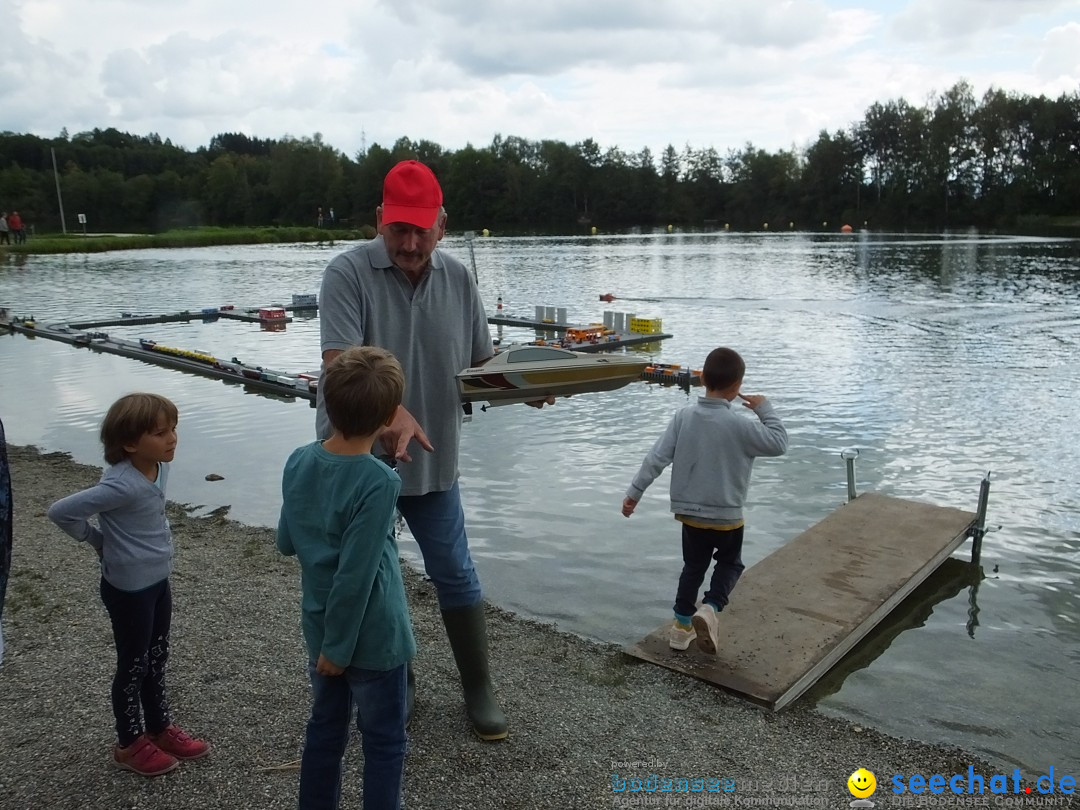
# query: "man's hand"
{"points": [[324, 666], [402, 430], [752, 400], [540, 403], [628, 506]]}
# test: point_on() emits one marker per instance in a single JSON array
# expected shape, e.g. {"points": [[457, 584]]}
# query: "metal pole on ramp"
{"points": [[979, 530]]}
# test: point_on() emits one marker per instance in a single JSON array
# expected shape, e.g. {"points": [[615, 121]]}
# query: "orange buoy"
{"points": [[607, 297], [846, 229]]}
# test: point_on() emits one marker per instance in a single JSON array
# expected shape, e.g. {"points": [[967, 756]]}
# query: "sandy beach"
{"points": [[584, 717]]}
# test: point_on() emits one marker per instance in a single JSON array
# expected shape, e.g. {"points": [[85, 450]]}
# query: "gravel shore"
{"points": [[580, 712]]}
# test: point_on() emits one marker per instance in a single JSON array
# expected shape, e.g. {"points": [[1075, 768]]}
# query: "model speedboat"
{"points": [[527, 373]]}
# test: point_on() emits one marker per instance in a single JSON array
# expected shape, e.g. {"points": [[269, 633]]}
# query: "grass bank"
{"points": [[1035, 225], [186, 237]]}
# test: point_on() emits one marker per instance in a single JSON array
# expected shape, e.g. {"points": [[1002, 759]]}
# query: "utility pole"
{"points": [[59, 198]]}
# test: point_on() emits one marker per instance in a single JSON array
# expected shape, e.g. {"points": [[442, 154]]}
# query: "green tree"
{"points": [[303, 174], [950, 157], [227, 196], [832, 177]]}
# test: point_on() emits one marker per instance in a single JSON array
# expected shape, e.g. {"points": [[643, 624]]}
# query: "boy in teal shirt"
{"points": [[337, 517]]}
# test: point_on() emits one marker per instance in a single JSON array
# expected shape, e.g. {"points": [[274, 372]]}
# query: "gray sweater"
{"points": [[134, 538], [712, 450]]}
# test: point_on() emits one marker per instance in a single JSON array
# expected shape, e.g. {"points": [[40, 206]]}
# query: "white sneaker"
{"points": [[707, 624], [679, 638]]}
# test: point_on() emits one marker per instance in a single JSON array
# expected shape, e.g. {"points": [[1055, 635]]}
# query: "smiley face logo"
{"points": [[862, 784]]}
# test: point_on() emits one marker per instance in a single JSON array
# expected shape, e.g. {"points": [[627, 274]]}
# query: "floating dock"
{"points": [[591, 338], [801, 609], [667, 374], [282, 383], [609, 340], [247, 314], [258, 378]]}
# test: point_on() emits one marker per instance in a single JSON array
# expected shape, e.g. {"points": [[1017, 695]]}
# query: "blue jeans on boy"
{"points": [[437, 521], [378, 699], [698, 546]]}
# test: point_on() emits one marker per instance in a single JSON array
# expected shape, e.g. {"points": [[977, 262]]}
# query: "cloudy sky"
{"points": [[627, 73]]}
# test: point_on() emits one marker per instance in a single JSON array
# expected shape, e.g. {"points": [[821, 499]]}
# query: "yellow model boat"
{"points": [[528, 373]]}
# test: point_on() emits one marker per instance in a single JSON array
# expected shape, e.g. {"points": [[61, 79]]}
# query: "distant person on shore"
{"points": [[15, 223], [134, 543], [711, 449], [337, 516], [401, 292], [5, 530], [5, 229]]}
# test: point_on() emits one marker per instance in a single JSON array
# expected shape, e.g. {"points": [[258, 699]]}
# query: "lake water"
{"points": [[938, 357]]}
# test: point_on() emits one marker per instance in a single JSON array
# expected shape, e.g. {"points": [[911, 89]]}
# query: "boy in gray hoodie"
{"points": [[712, 450]]}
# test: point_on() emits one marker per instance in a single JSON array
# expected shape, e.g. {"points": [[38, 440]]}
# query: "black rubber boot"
{"points": [[467, 631], [410, 693]]}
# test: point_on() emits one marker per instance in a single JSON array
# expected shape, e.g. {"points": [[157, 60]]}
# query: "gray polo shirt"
{"points": [[434, 330]]}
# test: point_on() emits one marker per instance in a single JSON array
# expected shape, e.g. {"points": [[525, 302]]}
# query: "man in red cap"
{"points": [[400, 292]]}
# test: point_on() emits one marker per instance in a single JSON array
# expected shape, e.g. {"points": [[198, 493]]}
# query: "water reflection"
{"points": [[939, 358], [951, 579]]}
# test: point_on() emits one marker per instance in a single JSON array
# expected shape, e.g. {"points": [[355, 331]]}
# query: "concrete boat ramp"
{"points": [[798, 612]]}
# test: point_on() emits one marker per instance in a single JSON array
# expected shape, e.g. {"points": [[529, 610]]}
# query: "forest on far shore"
{"points": [[1002, 161]]}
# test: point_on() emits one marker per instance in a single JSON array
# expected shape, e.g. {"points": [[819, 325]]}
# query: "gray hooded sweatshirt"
{"points": [[711, 449]]}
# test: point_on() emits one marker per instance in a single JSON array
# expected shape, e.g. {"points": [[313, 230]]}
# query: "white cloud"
{"points": [[628, 73], [1060, 56], [551, 38], [934, 20], [36, 77]]}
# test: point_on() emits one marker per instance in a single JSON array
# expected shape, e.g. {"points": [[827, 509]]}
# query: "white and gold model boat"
{"points": [[528, 373]]}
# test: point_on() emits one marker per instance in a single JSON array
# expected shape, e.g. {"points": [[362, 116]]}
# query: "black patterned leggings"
{"points": [[140, 623]]}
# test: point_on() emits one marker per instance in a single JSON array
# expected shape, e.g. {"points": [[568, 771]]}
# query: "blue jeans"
{"points": [[437, 521], [699, 546], [379, 700]]}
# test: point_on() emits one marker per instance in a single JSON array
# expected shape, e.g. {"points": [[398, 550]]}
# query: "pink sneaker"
{"points": [[144, 758], [174, 740]]}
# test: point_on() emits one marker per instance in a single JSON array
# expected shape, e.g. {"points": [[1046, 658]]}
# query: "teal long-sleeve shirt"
{"points": [[337, 517]]}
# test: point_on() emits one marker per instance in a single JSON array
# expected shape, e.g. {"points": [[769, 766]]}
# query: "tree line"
{"points": [[955, 161]]}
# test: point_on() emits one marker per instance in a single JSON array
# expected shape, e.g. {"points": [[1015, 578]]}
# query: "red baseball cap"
{"points": [[411, 194]]}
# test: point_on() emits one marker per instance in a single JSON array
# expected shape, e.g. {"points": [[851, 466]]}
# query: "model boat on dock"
{"points": [[528, 373]]}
